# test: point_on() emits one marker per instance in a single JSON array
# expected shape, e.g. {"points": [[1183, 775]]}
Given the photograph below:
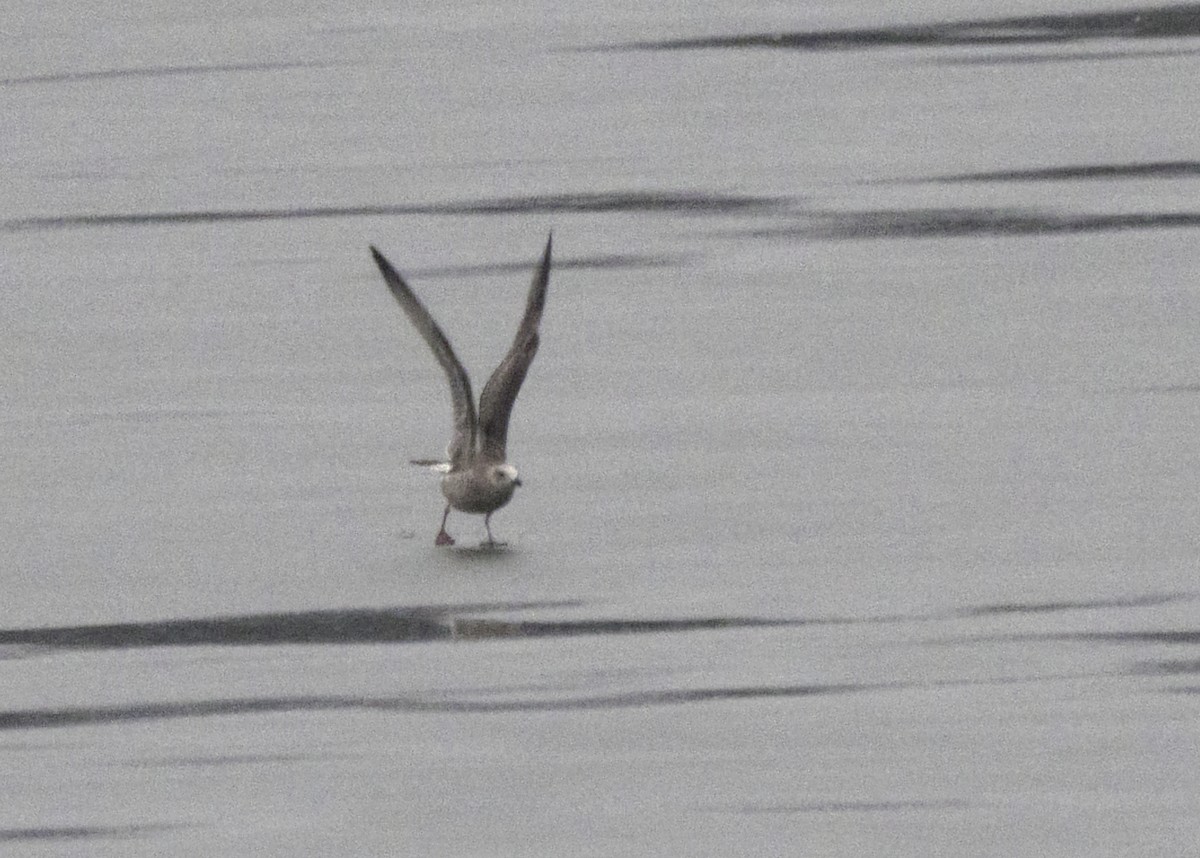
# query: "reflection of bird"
{"points": [[477, 479]]}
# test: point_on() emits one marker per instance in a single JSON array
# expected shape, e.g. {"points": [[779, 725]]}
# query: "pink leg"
{"points": [[444, 538]]}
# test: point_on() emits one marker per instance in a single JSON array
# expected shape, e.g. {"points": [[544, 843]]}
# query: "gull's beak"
{"points": [[516, 482]]}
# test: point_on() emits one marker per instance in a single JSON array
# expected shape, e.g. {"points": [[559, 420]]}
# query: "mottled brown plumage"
{"points": [[478, 479]]}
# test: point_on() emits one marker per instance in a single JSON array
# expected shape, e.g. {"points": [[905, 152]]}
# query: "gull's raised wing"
{"points": [[500, 392], [462, 445]]}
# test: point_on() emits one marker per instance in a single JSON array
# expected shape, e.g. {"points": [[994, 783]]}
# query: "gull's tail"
{"points": [[436, 465]]}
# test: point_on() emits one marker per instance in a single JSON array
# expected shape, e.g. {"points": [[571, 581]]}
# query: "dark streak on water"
{"points": [[395, 625], [607, 262], [402, 625], [464, 623], [1170, 667], [959, 222], [485, 629], [621, 201], [1144, 170], [25, 719], [814, 224], [1150, 601], [1058, 57], [1177, 637], [79, 716], [82, 832], [161, 71], [230, 760], [1170, 21], [455, 622], [1190, 636]]}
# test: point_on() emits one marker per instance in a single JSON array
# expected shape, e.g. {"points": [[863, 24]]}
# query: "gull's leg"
{"points": [[444, 538], [491, 539]]}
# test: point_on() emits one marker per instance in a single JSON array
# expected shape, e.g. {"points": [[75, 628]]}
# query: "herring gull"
{"points": [[477, 479]]}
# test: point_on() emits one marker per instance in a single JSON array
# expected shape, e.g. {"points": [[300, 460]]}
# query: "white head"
{"points": [[503, 476]]}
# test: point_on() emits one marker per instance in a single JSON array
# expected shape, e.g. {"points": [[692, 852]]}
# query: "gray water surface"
{"points": [[859, 457]]}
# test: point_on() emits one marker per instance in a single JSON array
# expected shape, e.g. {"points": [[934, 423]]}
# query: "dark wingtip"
{"points": [[384, 266]]}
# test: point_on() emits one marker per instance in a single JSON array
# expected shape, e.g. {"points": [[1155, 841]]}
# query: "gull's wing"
{"points": [[500, 392], [462, 445]]}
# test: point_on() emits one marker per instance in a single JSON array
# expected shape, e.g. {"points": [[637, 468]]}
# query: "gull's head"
{"points": [[503, 476]]}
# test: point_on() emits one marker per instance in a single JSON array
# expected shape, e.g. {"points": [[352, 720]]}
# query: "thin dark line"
{"points": [[161, 71], [635, 201]]}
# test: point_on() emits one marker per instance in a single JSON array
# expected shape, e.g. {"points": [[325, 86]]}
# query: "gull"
{"points": [[477, 479]]}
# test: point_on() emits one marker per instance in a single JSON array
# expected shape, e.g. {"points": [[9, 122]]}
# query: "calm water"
{"points": [[860, 460]]}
